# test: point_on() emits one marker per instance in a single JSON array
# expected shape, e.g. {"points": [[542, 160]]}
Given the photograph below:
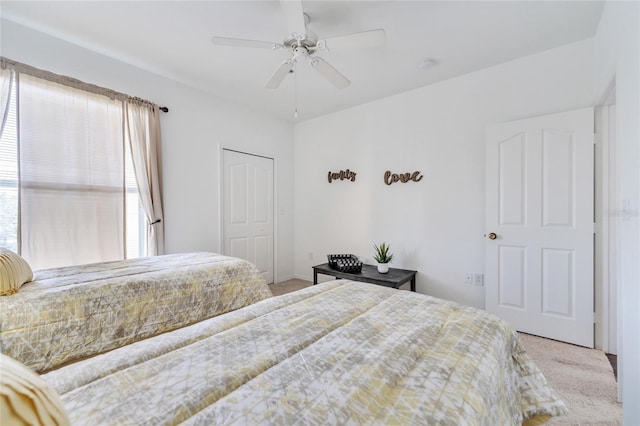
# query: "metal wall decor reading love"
{"points": [[390, 178], [342, 175]]}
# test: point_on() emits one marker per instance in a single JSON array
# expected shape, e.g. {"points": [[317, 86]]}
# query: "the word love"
{"points": [[390, 178], [342, 175]]}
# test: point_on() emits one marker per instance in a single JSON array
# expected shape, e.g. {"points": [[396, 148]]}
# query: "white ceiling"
{"points": [[173, 38]]}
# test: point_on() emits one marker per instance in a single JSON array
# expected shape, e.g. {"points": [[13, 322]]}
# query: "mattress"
{"points": [[337, 353], [70, 313]]}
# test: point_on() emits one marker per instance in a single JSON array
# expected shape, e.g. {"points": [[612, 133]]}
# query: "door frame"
{"points": [[606, 232], [611, 332], [221, 149]]}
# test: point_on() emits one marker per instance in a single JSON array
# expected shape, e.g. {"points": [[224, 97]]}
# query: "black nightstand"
{"points": [[394, 278]]}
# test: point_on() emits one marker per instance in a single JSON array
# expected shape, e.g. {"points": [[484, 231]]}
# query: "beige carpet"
{"points": [[582, 378], [288, 286]]}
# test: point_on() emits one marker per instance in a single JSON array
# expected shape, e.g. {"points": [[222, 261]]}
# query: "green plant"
{"points": [[382, 254]]}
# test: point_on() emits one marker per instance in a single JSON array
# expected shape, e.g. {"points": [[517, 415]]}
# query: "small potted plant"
{"points": [[383, 257]]}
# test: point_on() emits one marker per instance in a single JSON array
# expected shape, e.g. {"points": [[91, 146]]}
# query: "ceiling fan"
{"points": [[304, 45]]}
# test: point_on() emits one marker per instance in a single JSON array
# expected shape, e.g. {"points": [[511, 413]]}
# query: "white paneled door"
{"points": [[248, 209], [539, 225]]}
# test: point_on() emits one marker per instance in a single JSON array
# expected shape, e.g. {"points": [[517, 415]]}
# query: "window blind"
{"points": [[71, 175]]}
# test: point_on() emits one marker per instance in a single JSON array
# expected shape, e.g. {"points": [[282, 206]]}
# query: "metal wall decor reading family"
{"points": [[342, 175], [389, 178]]}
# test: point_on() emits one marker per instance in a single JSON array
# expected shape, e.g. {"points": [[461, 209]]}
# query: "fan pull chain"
{"points": [[295, 89]]}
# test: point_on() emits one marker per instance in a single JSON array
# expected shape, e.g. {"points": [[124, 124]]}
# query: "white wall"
{"points": [[191, 131], [435, 226], [617, 57]]}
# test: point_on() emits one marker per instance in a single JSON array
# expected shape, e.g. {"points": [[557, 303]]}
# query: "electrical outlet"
{"points": [[468, 277], [478, 279]]}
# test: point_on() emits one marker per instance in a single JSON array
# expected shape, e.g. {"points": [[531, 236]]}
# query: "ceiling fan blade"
{"points": [[279, 75], [356, 40], [294, 17], [330, 73], [240, 42]]}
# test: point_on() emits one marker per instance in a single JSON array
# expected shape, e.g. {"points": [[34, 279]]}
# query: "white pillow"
{"points": [[14, 271], [26, 399]]}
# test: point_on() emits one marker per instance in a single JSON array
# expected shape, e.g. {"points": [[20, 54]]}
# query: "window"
{"points": [[9, 179], [69, 184]]}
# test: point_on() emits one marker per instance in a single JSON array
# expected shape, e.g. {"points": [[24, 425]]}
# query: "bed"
{"points": [[337, 353], [70, 313]]}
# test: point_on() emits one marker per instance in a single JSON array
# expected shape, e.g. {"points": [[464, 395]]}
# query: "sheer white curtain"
{"points": [[6, 81], [71, 175], [142, 123]]}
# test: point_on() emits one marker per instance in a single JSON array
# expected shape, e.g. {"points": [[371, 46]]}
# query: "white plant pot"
{"points": [[383, 268]]}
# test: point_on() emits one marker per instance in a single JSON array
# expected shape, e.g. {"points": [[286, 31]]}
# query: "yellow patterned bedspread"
{"points": [[336, 353], [75, 312]]}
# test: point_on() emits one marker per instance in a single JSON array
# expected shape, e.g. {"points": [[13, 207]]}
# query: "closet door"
{"points": [[248, 209]]}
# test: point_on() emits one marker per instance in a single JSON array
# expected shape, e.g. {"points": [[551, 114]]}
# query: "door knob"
{"points": [[492, 236]]}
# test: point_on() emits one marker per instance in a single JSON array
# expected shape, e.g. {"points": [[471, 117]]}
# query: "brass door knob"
{"points": [[492, 236]]}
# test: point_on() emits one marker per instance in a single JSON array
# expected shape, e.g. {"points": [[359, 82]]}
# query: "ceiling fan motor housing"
{"points": [[309, 41]]}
